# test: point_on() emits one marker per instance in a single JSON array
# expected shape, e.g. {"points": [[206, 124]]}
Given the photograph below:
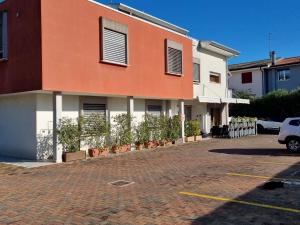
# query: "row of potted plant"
{"points": [[157, 131], [102, 138]]}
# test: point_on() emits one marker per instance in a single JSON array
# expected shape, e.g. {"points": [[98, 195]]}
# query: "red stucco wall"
{"points": [[71, 54], [22, 71]]}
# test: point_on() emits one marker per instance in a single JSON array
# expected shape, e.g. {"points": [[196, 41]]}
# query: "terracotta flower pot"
{"points": [[138, 146], [120, 149], [162, 143], [94, 152], [104, 152]]}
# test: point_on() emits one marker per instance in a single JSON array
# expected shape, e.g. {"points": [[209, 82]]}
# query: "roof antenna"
{"points": [[269, 41]]}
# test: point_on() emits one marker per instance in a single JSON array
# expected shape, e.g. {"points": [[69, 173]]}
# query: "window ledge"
{"points": [[174, 74], [114, 63], [3, 60]]}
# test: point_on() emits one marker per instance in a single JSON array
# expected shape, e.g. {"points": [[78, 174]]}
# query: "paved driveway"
{"points": [[212, 182]]}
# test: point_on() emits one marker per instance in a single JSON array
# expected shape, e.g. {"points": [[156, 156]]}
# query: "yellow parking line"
{"points": [[261, 177], [280, 163], [241, 202]]}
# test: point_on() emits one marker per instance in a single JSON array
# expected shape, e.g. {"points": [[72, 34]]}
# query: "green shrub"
{"points": [[95, 131], [277, 105], [69, 134], [174, 125], [142, 133], [192, 128], [121, 133]]}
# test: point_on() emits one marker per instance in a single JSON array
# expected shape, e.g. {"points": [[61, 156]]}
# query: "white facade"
{"points": [[210, 106], [255, 87], [27, 119], [17, 125]]}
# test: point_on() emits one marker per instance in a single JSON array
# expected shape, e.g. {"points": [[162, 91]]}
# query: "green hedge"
{"points": [[277, 105]]}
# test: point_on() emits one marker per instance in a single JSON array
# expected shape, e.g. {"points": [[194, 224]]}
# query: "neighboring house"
{"points": [[285, 74], [263, 76], [60, 60], [211, 93]]}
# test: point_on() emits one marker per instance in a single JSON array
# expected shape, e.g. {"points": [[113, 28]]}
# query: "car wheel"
{"points": [[293, 145], [260, 129]]}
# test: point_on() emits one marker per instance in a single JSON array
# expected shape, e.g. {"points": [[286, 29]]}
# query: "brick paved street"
{"points": [[79, 193]]}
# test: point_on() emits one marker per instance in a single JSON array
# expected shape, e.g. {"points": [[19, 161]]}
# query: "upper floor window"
{"points": [[114, 42], [283, 74], [196, 70], [215, 77], [3, 35], [247, 78], [174, 55]]}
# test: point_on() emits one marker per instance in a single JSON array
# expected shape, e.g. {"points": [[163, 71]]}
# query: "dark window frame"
{"points": [[198, 73], [214, 74], [3, 35], [174, 47], [247, 78]]}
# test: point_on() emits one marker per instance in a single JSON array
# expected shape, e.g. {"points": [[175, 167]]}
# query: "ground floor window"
{"points": [[91, 108], [154, 110], [188, 112]]}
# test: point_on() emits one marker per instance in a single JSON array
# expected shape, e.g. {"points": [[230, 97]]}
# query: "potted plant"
{"points": [[122, 136], [142, 135], [189, 132], [69, 136], [152, 136], [174, 125], [162, 129], [95, 130], [196, 130]]}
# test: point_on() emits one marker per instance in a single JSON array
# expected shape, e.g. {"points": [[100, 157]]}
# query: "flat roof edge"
{"points": [[148, 17]]}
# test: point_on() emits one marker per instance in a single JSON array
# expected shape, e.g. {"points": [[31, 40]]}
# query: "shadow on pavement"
{"points": [[239, 214], [256, 151]]}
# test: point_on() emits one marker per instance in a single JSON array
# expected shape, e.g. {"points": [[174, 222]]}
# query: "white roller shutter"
{"points": [[114, 46]]}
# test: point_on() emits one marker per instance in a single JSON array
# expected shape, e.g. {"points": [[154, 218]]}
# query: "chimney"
{"points": [[273, 57]]}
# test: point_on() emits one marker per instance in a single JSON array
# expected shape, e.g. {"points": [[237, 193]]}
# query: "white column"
{"points": [[182, 116], [225, 114], [168, 108], [57, 115], [130, 111], [164, 107]]}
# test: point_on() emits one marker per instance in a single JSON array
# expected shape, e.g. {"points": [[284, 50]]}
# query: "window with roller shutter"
{"points": [[114, 42], [3, 35], [174, 55], [91, 108]]}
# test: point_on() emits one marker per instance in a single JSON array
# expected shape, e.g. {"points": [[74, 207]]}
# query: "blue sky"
{"points": [[241, 24]]}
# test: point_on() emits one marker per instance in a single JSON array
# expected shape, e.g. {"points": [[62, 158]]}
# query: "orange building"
{"points": [[67, 58]]}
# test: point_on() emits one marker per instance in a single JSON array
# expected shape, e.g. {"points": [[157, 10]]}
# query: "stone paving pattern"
{"points": [[79, 193]]}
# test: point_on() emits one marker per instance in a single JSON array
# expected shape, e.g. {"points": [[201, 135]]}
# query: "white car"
{"points": [[290, 134], [268, 125]]}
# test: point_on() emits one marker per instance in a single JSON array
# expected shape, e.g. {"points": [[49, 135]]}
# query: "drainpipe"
{"points": [[263, 80]]}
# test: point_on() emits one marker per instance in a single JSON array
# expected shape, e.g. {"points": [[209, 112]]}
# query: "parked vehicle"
{"points": [[268, 125], [290, 134]]}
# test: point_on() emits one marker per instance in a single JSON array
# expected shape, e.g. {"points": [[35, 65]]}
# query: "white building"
{"points": [[249, 77], [211, 94]]}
